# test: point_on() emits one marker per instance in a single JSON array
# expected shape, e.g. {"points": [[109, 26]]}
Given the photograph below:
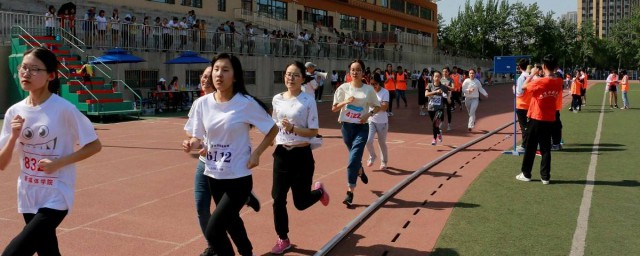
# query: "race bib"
{"points": [[219, 158], [436, 100], [352, 114], [32, 174]]}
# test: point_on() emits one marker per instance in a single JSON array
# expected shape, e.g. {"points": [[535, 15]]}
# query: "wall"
{"points": [[5, 51]]}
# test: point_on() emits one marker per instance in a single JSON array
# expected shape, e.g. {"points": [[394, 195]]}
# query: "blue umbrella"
{"points": [[117, 55], [188, 57]]}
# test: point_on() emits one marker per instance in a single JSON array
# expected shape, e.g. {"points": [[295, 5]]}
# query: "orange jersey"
{"points": [[457, 85], [586, 81], [522, 101], [389, 84], [544, 97], [401, 82], [575, 87], [624, 85], [559, 101]]}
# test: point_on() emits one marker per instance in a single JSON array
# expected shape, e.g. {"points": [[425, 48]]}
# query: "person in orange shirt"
{"points": [[456, 93], [523, 98], [544, 93], [624, 84], [585, 82], [390, 85], [576, 88], [401, 86]]}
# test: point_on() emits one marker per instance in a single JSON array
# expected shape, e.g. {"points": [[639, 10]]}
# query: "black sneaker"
{"points": [[348, 200], [364, 177], [253, 202], [208, 252]]}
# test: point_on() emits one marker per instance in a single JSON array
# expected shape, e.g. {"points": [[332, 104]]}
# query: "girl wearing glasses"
{"points": [[223, 120], [296, 115], [44, 129], [354, 100]]}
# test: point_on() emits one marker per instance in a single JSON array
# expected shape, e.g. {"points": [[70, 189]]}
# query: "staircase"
{"points": [[96, 98]]}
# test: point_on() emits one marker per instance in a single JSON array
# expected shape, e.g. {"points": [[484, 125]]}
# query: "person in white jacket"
{"points": [[472, 87]]}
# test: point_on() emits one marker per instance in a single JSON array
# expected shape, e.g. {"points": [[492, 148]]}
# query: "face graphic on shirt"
{"points": [[42, 131], [37, 144]]}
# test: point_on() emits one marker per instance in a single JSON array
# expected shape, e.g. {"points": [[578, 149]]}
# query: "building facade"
{"points": [[605, 13], [570, 17]]}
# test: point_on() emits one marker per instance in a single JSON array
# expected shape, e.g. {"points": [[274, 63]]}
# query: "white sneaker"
{"points": [[370, 161], [521, 177], [449, 127], [520, 149], [545, 182], [383, 166]]}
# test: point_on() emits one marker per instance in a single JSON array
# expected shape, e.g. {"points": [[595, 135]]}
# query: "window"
{"points": [[426, 13], [348, 22], [385, 27], [413, 9], [278, 77], [316, 16], [141, 78], [272, 8], [249, 77], [222, 5], [164, 1], [192, 77], [397, 5], [384, 3], [192, 3]]}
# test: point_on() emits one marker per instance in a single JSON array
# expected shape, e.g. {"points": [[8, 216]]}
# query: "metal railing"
{"points": [[137, 98]]}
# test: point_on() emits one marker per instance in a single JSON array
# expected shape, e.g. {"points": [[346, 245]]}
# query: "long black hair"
{"points": [[50, 63], [238, 76]]}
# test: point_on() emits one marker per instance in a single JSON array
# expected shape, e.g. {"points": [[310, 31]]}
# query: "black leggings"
{"points": [[230, 196], [435, 122], [401, 94], [447, 108], [39, 235], [292, 169], [392, 96]]}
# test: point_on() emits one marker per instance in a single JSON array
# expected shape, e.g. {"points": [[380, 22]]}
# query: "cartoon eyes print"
{"points": [[43, 132], [27, 133]]}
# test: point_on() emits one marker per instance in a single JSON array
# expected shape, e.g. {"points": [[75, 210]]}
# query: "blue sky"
{"points": [[449, 8]]}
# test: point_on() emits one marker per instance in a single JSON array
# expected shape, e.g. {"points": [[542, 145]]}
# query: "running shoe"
{"points": [[281, 246], [383, 166], [324, 199], [370, 161], [521, 177], [348, 200], [555, 147], [363, 176], [433, 142], [538, 153], [449, 127], [439, 137], [545, 182]]}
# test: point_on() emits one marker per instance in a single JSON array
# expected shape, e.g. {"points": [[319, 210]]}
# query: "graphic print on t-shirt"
{"points": [[32, 174]]}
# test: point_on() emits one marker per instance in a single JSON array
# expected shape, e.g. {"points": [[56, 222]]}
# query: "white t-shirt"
{"points": [[48, 22], [188, 127], [41, 138], [310, 87], [301, 111], [365, 98], [226, 126], [381, 117], [102, 23]]}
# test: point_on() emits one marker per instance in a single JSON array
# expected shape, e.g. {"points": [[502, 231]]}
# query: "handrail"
{"points": [[99, 69], [130, 89], [90, 93], [74, 38], [29, 34]]}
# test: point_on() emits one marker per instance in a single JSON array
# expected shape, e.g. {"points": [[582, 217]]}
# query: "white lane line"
{"points": [[580, 235]]}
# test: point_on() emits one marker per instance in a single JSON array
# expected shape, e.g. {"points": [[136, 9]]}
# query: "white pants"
{"points": [[381, 129], [472, 106]]}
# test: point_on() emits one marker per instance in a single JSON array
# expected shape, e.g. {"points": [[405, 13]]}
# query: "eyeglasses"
{"points": [[356, 70], [293, 75], [32, 70]]}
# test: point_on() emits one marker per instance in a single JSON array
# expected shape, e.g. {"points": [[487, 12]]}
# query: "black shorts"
{"points": [[613, 88], [583, 92]]}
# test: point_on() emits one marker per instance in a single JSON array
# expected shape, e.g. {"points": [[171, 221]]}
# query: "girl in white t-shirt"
{"points": [[353, 100], [44, 129], [379, 123], [296, 115], [223, 120], [49, 21], [201, 183]]}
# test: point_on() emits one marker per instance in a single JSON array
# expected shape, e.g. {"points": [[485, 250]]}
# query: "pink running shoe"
{"points": [[325, 195], [281, 246]]}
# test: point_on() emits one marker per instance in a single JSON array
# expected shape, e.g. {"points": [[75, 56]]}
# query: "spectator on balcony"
{"points": [[62, 17], [193, 24], [266, 40], [202, 34], [217, 37], [146, 30], [252, 39], [156, 32], [134, 27], [89, 26], [327, 47], [114, 22], [183, 27], [50, 21], [101, 21]]}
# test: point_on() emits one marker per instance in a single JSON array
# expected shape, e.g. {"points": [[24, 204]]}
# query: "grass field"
{"points": [[518, 218]]}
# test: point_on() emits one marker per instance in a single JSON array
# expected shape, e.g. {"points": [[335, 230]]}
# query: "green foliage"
{"points": [[496, 27]]}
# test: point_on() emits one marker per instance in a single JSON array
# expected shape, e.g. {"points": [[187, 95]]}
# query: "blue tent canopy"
{"points": [[117, 55], [188, 57]]}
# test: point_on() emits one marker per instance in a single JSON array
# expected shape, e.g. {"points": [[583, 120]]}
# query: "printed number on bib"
{"points": [[436, 100], [219, 157], [353, 113]]}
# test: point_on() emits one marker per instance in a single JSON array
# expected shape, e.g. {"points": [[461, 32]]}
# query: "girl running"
{"points": [[296, 115], [352, 100], [44, 128], [223, 120], [437, 93], [471, 87], [379, 123]]}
